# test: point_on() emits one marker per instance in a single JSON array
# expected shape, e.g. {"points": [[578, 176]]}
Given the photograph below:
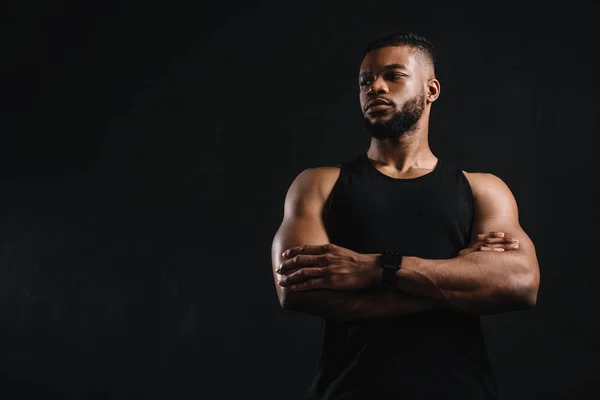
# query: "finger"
{"points": [[301, 261], [490, 239], [302, 275], [487, 248], [496, 234], [506, 246], [483, 236], [312, 284], [501, 240], [466, 251], [306, 249]]}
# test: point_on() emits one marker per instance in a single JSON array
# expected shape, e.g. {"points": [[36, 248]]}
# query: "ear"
{"points": [[433, 90]]}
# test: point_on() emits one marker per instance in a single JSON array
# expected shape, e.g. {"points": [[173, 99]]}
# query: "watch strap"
{"points": [[391, 262]]}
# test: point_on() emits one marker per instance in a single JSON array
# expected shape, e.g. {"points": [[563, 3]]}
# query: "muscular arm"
{"points": [[302, 225], [481, 282]]}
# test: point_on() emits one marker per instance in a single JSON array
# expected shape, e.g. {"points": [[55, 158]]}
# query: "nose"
{"points": [[378, 87]]}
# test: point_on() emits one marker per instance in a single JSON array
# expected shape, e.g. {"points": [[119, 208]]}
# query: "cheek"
{"points": [[362, 99], [403, 92], [401, 87]]}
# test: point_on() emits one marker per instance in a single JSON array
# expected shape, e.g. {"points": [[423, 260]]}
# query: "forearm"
{"points": [[476, 283], [356, 306]]}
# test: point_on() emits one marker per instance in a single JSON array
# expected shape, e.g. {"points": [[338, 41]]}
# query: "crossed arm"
{"points": [[343, 305], [320, 278]]}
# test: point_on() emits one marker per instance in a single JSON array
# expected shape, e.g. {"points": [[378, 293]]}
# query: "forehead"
{"points": [[379, 58]]}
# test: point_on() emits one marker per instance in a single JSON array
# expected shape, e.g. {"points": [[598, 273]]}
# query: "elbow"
{"points": [[529, 296], [524, 290], [518, 292]]}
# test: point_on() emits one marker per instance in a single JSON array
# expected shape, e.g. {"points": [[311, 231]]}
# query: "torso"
{"points": [[366, 209]]}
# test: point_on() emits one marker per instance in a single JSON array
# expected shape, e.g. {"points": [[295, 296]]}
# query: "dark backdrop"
{"points": [[147, 149]]}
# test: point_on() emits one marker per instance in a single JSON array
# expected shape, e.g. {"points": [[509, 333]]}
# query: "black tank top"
{"points": [[432, 355]]}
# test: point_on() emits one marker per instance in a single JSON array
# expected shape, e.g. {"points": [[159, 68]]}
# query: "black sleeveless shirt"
{"points": [[432, 355]]}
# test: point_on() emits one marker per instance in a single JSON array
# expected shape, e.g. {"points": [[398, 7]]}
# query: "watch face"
{"points": [[391, 260]]}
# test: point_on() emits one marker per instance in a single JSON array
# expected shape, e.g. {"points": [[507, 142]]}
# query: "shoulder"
{"points": [[319, 173], [313, 185], [489, 191], [484, 182], [319, 180]]}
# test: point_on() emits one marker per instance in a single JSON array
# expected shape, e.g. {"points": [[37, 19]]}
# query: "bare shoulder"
{"points": [[319, 175], [492, 198], [486, 184], [312, 187]]}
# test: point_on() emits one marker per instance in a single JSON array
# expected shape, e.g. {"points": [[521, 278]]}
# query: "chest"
{"points": [[369, 216]]}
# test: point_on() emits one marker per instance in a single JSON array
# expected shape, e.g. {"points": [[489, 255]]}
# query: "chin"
{"points": [[385, 114], [378, 120]]}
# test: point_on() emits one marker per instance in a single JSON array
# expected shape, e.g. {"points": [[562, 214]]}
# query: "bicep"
{"points": [[496, 210], [302, 223]]}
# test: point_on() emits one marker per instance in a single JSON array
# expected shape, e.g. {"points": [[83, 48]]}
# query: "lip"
{"points": [[378, 104], [378, 108]]}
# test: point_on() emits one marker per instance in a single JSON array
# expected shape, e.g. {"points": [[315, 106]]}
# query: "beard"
{"points": [[401, 122]]}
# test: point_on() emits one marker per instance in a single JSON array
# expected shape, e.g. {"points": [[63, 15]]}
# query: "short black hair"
{"points": [[418, 42]]}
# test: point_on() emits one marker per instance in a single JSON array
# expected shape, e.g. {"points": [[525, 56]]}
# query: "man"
{"points": [[401, 252]]}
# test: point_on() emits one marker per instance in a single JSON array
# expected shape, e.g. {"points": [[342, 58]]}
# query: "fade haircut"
{"points": [[421, 45]]}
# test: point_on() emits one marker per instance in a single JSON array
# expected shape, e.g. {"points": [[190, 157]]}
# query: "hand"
{"points": [[493, 241], [328, 266]]}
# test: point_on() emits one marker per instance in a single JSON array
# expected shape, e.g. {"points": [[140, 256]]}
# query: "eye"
{"points": [[365, 81], [396, 75]]}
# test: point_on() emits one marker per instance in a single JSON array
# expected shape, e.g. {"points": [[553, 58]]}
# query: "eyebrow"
{"points": [[389, 66]]}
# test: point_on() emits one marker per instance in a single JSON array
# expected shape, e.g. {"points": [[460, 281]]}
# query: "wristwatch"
{"points": [[391, 262]]}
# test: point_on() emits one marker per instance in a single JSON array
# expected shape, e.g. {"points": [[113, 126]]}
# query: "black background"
{"points": [[147, 149]]}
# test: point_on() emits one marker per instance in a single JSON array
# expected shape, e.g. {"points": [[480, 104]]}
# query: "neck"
{"points": [[411, 150]]}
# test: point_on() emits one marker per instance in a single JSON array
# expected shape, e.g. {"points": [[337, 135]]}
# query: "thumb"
{"points": [[465, 251]]}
